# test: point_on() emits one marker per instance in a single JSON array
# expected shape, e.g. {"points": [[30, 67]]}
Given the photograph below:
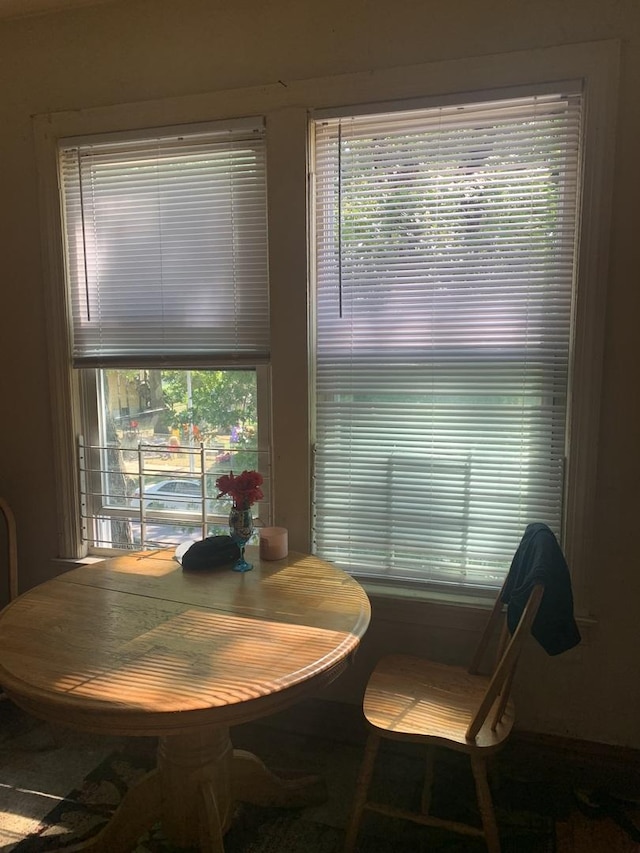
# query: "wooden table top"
{"points": [[136, 645]]}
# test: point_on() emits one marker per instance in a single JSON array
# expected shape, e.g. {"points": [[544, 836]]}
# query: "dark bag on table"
{"points": [[210, 553]]}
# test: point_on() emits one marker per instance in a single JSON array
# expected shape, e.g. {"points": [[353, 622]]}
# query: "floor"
{"points": [[576, 775], [39, 764], [580, 835]]}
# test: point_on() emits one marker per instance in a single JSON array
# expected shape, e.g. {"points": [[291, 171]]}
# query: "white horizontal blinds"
{"points": [[445, 262], [167, 249]]}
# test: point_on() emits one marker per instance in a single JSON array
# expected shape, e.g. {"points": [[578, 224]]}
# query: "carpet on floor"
{"points": [[524, 812]]}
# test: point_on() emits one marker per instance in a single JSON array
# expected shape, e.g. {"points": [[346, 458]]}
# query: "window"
{"points": [[166, 267], [176, 327], [445, 252]]}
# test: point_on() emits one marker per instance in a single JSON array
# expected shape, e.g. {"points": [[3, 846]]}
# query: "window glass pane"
{"points": [[164, 438]]}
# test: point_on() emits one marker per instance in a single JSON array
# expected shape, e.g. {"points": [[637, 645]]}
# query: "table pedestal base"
{"points": [[192, 793]]}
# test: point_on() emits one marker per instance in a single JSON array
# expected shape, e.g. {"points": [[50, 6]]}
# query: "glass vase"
{"points": [[241, 529]]}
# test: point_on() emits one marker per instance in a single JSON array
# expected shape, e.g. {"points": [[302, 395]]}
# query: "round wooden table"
{"points": [[137, 646]]}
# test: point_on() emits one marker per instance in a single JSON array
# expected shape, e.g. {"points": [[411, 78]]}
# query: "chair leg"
{"points": [[427, 787], [362, 786], [487, 813]]}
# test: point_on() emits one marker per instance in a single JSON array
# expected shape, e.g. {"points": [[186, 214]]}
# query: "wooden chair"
{"points": [[8, 542], [9, 559], [417, 700]]}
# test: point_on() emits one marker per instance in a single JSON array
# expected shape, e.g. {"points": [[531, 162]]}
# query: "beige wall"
{"points": [[135, 50]]}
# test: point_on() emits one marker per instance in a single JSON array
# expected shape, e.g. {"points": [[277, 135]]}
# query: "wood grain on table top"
{"points": [[136, 637]]}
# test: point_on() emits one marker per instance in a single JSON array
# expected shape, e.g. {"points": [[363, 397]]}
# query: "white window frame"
{"points": [[286, 109], [92, 506], [570, 89]]}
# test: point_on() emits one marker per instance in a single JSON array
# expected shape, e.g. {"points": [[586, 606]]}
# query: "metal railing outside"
{"points": [[155, 495]]}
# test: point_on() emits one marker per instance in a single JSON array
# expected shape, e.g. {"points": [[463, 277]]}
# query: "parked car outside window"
{"points": [[180, 494]]}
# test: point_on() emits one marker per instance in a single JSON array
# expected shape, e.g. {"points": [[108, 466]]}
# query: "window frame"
{"points": [[94, 351], [286, 110], [567, 89]]}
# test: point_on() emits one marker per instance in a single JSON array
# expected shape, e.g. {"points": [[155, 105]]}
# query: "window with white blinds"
{"points": [[445, 243], [166, 239]]}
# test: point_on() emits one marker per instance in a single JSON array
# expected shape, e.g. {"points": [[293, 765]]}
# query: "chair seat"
{"points": [[410, 698]]}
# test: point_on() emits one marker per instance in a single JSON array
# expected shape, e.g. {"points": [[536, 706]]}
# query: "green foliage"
{"points": [[217, 401]]}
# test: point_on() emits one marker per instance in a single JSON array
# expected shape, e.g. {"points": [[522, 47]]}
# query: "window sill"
{"points": [[403, 593], [68, 563], [439, 609], [427, 607]]}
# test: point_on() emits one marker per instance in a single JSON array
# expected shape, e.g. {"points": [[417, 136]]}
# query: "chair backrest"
{"points": [[9, 550], [502, 677], [496, 620]]}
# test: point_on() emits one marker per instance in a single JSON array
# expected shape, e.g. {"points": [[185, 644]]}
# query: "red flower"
{"points": [[244, 490]]}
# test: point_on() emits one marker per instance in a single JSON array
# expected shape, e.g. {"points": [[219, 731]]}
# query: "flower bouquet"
{"points": [[244, 490]]}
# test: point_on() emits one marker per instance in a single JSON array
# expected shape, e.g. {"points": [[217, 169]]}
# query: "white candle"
{"points": [[274, 543]]}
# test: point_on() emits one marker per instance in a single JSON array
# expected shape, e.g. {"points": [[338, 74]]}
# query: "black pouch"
{"points": [[210, 553]]}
